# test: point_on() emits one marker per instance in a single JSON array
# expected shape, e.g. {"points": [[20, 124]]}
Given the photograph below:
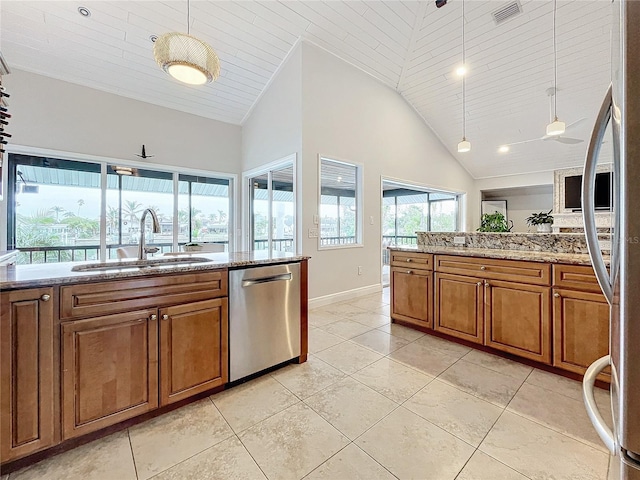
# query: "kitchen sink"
{"points": [[133, 264]]}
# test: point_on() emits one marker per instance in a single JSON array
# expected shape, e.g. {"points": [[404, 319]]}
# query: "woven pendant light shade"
{"points": [[186, 58]]}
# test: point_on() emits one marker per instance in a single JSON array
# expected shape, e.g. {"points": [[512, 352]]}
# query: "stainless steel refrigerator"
{"points": [[620, 282]]}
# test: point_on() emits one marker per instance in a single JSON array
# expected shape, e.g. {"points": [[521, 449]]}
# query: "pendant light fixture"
{"points": [[465, 145], [556, 127], [186, 58]]}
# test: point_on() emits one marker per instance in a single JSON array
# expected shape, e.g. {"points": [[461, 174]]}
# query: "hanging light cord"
{"points": [[464, 65], [188, 17], [555, 66]]}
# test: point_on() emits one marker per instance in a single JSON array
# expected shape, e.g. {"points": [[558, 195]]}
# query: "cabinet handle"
{"points": [[487, 284], [557, 295], [479, 284], [483, 268], [165, 317], [408, 259], [153, 318], [45, 297], [409, 272]]}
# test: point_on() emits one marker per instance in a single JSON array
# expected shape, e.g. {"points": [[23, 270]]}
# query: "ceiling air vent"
{"points": [[506, 12]]}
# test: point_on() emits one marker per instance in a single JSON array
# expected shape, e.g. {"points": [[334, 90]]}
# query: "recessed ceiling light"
{"points": [[153, 38], [503, 148], [461, 71], [84, 11], [339, 179]]}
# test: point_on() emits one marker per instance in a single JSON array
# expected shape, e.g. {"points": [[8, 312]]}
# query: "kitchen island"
{"points": [[85, 353], [539, 306]]}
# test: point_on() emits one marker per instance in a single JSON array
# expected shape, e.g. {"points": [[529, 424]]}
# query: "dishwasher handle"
{"points": [[273, 278]]}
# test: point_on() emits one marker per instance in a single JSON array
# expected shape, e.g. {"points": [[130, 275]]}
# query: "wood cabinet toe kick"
{"points": [[551, 314]]}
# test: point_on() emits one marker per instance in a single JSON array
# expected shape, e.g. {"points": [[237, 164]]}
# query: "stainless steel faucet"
{"points": [[142, 248]]}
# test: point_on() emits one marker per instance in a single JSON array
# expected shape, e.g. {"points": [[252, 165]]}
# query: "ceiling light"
{"points": [[122, 170], [461, 71], [186, 58], [503, 148], [84, 11], [556, 127], [339, 179], [464, 146]]}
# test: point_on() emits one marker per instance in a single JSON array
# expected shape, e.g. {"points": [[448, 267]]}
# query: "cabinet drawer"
{"points": [[93, 299], [422, 261], [576, 277], [533, 273]]}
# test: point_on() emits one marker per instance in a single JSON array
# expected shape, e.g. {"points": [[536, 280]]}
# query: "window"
{"points": [[340, 203], [272, 207], [54, 208], [203, 210], [408, 209], [130, 195]]}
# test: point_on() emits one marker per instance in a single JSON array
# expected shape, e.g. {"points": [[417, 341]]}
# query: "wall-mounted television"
{"points": [[573, 192]]}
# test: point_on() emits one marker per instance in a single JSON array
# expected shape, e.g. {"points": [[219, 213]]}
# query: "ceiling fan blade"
{"points": [[568, 140], [575, 123], [524, 141]]}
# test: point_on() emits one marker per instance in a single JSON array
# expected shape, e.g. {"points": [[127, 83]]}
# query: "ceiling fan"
{"points": [[557, 138]]}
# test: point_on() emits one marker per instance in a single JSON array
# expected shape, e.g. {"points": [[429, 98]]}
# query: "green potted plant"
{"points": [[542, 221], [494, 222]]}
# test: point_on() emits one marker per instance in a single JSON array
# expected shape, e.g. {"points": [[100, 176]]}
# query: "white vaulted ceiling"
{"points": [[411, 46]]}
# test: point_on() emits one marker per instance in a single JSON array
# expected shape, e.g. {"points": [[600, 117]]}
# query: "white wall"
{"points": [[349, 115], [519, 207], [52, 114], [273, 130]]}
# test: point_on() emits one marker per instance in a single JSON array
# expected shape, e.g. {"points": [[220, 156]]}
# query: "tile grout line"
{"points": [[536, 421], [201, 451], [494, 424], [133, 457], [252, 457]]}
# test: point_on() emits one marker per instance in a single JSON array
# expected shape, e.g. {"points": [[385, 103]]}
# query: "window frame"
{"points": [[103, 163], [247, 222], [359, 197]]}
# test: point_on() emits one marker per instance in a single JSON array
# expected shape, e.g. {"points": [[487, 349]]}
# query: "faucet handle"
{"points": [[151, 250]]}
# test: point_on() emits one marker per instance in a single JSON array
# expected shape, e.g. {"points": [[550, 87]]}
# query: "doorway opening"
{"points": [[409, 208]]}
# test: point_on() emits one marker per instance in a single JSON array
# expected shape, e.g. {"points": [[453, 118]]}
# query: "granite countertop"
{"points": [[505, 254], [49, 274]]}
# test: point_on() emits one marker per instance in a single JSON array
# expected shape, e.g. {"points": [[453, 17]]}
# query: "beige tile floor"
{"points": [[374, 401]]}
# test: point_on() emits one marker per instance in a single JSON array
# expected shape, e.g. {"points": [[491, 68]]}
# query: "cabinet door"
{"points": [[26, 372], [412, 296], [518, 319], [194, 355], [110, 370], [459, 306], [580, 329]]}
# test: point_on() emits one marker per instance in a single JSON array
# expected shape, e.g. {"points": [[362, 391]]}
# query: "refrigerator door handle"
{"points": [[588, 386], [588, 197]]}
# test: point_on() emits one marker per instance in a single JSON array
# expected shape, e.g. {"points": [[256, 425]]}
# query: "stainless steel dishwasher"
{"points": [[264, 318]]}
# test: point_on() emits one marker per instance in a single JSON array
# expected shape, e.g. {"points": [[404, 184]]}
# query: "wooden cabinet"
{"points": [[412, 288], [518, 319], [110, 370], [459, 306], [412, 296], [139, 350], [581, 329], [193, 349], [27, 376]]}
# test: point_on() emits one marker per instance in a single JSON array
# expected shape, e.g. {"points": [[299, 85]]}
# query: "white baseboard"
{"points": [[344, 296]]}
